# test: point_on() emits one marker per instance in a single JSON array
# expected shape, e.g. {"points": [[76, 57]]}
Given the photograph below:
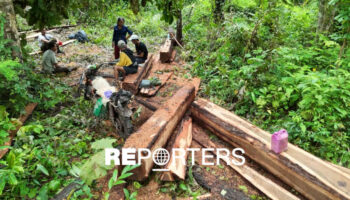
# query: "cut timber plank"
{"points": [[152, 91], [165, 51], [28, 111], [265, 185], [309, 175], [132, 81], [177, 166], [196, 82], [155, 132]]}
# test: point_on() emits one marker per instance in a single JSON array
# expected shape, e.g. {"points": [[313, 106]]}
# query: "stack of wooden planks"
{"points": [[132, 81], [307, 174], [180, 123], [166, 51]]}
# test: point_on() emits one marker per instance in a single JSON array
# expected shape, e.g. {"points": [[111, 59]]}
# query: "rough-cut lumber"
{"points": [[132, 81], [166, 50], [155, 132], [176, 167], [28, 111], [163, 78], [312, 177], [147, 102], [196, 82], [265, 185]]}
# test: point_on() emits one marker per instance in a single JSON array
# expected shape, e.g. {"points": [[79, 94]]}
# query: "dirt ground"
{"points": [[221, 181]]}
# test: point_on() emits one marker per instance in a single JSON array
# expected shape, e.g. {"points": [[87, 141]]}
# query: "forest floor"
{"points": [[220, 180]]}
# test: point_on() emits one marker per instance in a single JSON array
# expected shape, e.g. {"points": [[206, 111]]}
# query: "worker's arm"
{"points": [[141, 54], [114, 38], [129, 33]]}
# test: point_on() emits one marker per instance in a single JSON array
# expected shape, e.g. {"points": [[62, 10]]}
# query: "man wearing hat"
{"points": [[127, 63], [141, 49]]}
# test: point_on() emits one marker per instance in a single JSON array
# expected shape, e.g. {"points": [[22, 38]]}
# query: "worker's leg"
{"points": [[140, 60], [61, 69], [119, 70], [116, 51]]}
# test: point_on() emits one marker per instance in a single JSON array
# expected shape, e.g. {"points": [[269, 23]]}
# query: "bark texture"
{"points": [[10, 27]]}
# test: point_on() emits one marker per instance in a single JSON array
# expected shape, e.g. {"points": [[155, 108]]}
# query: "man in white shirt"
{"points": [[44, 40]]}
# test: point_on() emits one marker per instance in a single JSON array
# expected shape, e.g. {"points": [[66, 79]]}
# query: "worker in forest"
{"points": [[141, 49], [49, 63], [44, 39], [127, 63], [119, 33]]}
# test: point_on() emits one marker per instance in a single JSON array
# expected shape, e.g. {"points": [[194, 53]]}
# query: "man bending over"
{"points": [[141, 49], [126, 64]]}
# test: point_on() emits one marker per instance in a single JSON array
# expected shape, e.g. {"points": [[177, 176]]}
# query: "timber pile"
{"points": [[166, 51], [155, 132], [294, 169], [132, 81]]}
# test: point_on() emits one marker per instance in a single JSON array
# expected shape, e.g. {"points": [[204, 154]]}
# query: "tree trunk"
{"points": [[179, 28], [218, 13], [326, 15], [10, 28]]}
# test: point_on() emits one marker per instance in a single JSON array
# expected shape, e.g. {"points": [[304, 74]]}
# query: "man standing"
{"points": [[126, 64], [49, 64], [141, 49], [119, 33]]}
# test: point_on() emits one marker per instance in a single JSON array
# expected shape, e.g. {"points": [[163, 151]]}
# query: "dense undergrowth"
{"points": [[288, 77], [263, 62]]}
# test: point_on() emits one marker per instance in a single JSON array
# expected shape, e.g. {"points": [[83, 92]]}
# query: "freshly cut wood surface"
{"points": [[155, 132], [265, 185], [309, 175], [166, 50], [132, 81], [35, 35], [183, 140]]}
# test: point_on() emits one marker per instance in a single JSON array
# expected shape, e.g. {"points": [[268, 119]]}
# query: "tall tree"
{"points": [[218, 11], [10, 27], [326, 14]]}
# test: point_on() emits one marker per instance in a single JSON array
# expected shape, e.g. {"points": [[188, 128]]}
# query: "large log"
{"points": [[166, 51], [311, 176], [176, 168], [155, 132], [265, 185], [132, 81]]}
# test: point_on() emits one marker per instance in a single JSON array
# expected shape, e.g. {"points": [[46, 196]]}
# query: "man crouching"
{"points": [[126, 64]]}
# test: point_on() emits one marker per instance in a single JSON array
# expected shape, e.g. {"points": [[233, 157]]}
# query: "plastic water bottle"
{"points": [[279, 141]]}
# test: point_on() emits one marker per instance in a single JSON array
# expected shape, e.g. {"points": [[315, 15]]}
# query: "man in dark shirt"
{"points": [[119, 33], [141, 49]]}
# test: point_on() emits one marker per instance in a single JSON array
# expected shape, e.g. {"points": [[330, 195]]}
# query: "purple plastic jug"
{"points": [[279, 141]]}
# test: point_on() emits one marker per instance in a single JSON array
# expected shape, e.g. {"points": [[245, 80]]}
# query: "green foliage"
{"points": [[118, 180], [47, 154], [284, 75], [95, 167], [42, 13], [6, 125]]}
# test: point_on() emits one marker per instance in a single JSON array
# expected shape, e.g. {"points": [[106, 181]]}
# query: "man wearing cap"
{"points": [[141, 49], [127, 63]]}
